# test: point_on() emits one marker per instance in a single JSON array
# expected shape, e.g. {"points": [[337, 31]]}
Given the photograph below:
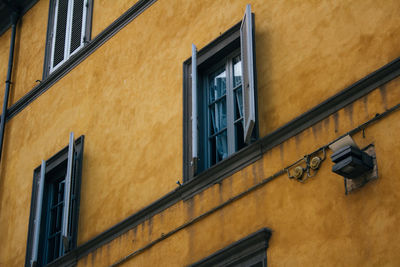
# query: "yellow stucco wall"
{"points": [[31, 41], [126, 98], [4, 51], [29, 51], [312, 224], [106, 12]]}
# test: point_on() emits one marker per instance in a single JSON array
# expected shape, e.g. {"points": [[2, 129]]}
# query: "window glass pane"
{"points": [[218, 116], [222, 146], [238, 103], [237, 71], [61, 27], [56, 198], [218, 147], [217, 84]]}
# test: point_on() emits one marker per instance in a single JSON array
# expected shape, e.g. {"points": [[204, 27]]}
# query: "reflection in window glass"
{"points": [[224, 110], [237, 71], [217, 84], [217, 113]]}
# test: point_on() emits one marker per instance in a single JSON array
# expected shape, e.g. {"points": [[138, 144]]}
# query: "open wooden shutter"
{"points": [[247, 46], [38, 214], [194, 109], [69, 181]]}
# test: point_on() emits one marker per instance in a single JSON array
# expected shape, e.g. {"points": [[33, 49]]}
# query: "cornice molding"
{"points": [[253, 244]]}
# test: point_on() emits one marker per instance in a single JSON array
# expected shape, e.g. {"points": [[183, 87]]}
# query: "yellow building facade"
{"points": [[323, 71]]}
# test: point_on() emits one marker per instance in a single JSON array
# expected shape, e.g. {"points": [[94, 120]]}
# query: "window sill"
{"points": [[216, 173]]}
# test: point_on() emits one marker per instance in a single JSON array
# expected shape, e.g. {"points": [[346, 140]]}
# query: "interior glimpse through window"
{"points": [[217, 116], [224, 109], [220, 99], [55, 199]]}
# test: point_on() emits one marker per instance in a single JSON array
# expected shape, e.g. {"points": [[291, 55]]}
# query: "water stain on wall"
{"points": [[220, 192], [94, 257], [316, 128], [254, 170], [365, 101], [190, 230], [281, 148], [349, 112], [260, 171], [383, 92], [336, 120], [150, 226], [297, 140], [326, 123]]}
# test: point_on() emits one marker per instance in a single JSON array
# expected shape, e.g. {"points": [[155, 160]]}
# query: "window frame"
{"points": [[226, 63], [242, 253], [50, 166], [212, 53], [86, 25]]}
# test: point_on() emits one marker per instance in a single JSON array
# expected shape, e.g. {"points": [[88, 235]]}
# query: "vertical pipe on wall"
{"points": [[14, 20]]}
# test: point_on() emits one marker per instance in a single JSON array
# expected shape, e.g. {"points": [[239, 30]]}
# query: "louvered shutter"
{"points": [[68, 30], [77, 24], [247, 46], [69, 182], [194, 109], [38, 214], [60, 34]]}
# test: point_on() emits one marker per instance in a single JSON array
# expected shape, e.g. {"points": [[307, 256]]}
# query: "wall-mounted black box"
{"points": [[351, 162]]}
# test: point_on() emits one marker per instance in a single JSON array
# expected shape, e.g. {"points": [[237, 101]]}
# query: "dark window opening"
{"points": [[55, 205]]}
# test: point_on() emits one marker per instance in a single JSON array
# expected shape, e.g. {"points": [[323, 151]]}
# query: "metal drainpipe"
{"points": [[14, 20]]}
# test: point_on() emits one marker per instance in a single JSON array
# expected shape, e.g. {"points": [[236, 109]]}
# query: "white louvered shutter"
{"points": [[66, 234]]}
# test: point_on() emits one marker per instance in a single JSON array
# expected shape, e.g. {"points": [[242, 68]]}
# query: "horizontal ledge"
{"points": [[77, 58], [242, 158]]}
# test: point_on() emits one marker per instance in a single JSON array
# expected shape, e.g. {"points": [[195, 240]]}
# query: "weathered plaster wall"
{"points": [[127, 99], [4, 51], [106, 12], [31, 41], [308, 50], [295, 40], [29, 50], [313, 223]]}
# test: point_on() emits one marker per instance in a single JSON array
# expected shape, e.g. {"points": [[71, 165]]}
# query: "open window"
{"points": [[220, 98], [68, 30], [54, 205]]}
